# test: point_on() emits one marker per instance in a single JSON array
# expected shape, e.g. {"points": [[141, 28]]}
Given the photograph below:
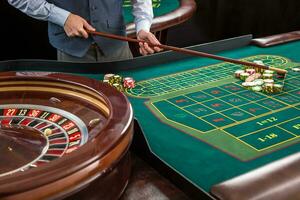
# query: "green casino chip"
{"points": [[259, 82], [244, 76], [256, 88], [117, 79], [267, 76], [118, 86], [278, 88], [269, 81], [267, 71], [268, 88]]}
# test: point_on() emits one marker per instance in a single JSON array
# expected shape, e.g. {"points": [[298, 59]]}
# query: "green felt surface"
{"points": [[160, 7], [198, 119]]}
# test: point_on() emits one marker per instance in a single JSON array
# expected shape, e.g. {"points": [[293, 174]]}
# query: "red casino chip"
{"points": [[128, 82]]}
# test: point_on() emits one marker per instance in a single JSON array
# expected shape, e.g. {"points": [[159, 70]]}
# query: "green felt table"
{"points": [[195, 115], [160, 7], [199, 120]]}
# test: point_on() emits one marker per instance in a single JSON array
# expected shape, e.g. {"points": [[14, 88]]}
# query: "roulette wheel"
{"points": [[62, 136]]}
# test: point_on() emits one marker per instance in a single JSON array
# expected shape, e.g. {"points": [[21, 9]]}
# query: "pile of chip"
{"points": [[118, 82], [259, 80]]}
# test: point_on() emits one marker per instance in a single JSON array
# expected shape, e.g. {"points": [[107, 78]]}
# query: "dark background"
{"points": [[24, 37]]}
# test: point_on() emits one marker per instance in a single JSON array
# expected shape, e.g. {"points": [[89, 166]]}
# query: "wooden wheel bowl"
{"points": [[65, 136]]}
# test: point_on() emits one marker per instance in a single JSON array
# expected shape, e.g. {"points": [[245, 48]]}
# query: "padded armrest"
{"points": [[277, 39], [279, 180]]}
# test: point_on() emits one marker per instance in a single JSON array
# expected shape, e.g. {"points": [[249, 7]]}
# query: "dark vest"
{"points": [[104, 15]]}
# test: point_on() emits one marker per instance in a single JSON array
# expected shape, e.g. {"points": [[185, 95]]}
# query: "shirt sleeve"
{"points": [[41, 10], [143, 14]]}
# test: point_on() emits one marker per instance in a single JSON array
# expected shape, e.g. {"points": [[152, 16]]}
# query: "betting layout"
{"points": [[63, 131], [210, 104]]}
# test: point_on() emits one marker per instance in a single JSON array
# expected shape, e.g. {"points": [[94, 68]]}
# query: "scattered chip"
{"points": [[245, 84], [257, 75], [296, 69], [278, 87], [259, 82], [257, 88], [248, 85], [244, 76], [268, 88], [250, 78], [251, 84], [267, 76], [268, 71], [269, 81], [253, 77], [259, 62], [250, 71], [237, 73]]}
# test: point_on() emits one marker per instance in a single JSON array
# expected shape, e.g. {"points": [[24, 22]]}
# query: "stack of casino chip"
{"points": [[258, 80], [259, 62], [128, 82], [108, 78], [114, 80], [118, 86], [238, 73], [250, 71], [244, 76], [117, 79], [118, 82]]}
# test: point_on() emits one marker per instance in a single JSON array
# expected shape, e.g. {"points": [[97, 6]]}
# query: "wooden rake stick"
{"points": [[190, 52]]}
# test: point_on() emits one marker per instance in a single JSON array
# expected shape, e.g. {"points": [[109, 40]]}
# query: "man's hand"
{"points": [[76, 26], [148, 37]]}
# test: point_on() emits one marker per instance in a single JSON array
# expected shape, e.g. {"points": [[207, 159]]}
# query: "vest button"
{"points": [[94, 8]]}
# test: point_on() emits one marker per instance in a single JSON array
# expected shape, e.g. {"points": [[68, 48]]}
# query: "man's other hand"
{"points": [[149, 38]]}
